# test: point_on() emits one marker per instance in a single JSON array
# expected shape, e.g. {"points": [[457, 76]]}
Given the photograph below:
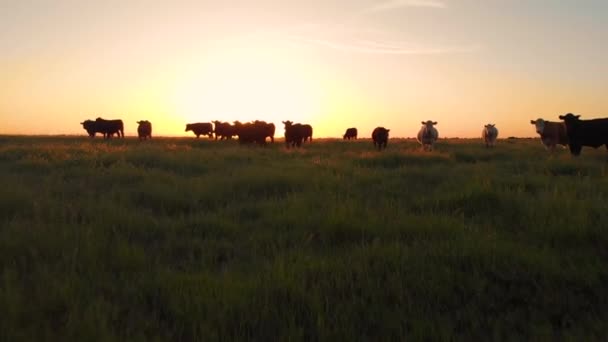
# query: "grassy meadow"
{"points": [[181, 239]]}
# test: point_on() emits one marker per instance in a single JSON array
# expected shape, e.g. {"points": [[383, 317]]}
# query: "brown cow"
{"points": [[144, 130], [380, 137], [200, 128], [551, 133]]}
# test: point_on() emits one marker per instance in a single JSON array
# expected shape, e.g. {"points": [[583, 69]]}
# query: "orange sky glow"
{"points": [[336, 64]]}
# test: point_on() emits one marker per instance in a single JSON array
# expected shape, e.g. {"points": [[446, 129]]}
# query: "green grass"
{"points": [[185, 239]]}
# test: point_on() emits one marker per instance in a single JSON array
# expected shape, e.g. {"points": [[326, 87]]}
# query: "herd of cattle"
{"points": [[571, 131]]}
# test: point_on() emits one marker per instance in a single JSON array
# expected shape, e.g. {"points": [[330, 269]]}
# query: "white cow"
{"points": [[489, 135], [428, 135]]}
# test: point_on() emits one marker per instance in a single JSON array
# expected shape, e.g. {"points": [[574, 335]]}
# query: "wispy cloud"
{"points": [[396, 4], [382, 48]]}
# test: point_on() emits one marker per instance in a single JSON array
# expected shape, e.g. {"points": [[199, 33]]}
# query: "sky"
{"points": [[332, 64]]}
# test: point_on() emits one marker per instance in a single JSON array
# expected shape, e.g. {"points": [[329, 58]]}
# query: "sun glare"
{"points": [[246, 85]]}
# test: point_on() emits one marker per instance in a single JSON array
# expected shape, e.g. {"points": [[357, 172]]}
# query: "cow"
{"points": [[351, 133], [267, 128], [106, 127], [223, 130], [380, 137], [307, 130], [144, 130], [551, 133], [489, 135], [294, 134], [252, 132], [200, 128], [427, 136], [592, 133]]}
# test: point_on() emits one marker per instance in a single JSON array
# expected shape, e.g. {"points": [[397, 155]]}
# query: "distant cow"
{"points": [[551, 133], [380, 137], [427, 136], [144, 130], [106, 127], [294, 134], [253, 132], [489, 134], [351, 133], [267, 128], [592, 133], [200, 128], [224, 130]]}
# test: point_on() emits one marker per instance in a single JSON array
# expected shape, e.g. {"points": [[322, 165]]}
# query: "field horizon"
{"points": [[191, 239]]}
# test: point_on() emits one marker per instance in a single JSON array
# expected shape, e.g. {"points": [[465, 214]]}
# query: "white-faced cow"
{"points": [[489, 135], [592, 133], [551, 133], [428, 135]]}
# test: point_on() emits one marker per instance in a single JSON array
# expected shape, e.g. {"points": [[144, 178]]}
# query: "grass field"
{"points": [[184, 239]]}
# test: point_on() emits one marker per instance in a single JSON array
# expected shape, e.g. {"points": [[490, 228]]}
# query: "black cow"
{"points": [[380, 137], [90, 127], [592, 133], [200, 128], [351, 133], [294, 134], [267, 128], [110, 127], [144, 130], [252, 132], [224, 130]]}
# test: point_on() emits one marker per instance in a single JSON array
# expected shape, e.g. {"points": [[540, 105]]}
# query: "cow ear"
{"points": [[388, 130], [424, 123], [577, 116], [561, 117], [434, 123], [533, 122]]}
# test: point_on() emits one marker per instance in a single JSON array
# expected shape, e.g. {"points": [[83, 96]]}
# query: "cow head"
{"points": [[570, 118], [429, 123], [188, 127], [287, 123], [489, 125], [539, 124]]}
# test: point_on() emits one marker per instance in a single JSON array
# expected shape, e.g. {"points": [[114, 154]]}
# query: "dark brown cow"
{"points": [[294, 134], [380, 137], [200, 128], [267, 128], [144, 130], [106, 127], [252, 132], [224, 130], [351, 133], [307, 130], [592, 133]]}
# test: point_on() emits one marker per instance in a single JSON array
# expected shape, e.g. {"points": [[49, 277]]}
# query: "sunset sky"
{"points": [[333, 64]]}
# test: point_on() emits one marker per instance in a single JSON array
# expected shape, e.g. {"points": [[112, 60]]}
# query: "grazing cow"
{"points": [[551, 133], [254, 132], [489, 135], [380, 137], [351, 133], [592, 133], [144, 130], [200, 128], [427, 136], [307, 131], [224, 130], [294, 134]]}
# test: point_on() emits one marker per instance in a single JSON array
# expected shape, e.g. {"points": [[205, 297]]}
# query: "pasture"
{"points": [[194, 240]]}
